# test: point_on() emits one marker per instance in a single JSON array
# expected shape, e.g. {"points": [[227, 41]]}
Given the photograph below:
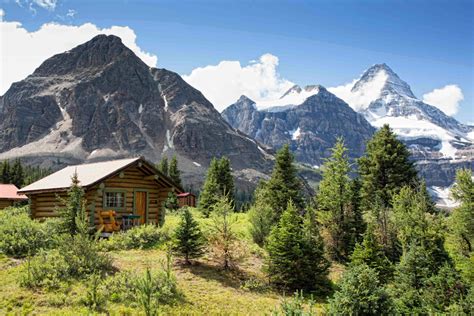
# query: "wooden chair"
{"points": [[107, 222]]}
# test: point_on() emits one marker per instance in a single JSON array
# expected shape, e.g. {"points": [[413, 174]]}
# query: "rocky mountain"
{"points": [[439, 143], [100, 101], [311, 118], [311, 127]]}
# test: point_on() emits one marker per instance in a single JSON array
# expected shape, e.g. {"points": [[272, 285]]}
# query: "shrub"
{"points": [[360, 293], [140, 237], [295, 306], [83, 256], [45, 270], [95, 298], [21, 236]]}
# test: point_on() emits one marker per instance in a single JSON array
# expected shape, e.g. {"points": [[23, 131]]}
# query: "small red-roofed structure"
{"points": [[9, 195], [186, 199]]}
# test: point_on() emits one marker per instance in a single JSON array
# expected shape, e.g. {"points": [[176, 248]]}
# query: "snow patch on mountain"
{"points": [[295, 134], [360, 98], [443, 196], [293, 97]]}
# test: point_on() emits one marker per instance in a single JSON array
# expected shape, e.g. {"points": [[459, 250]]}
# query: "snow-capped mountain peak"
{"points": [[381, 80], [291, 98], [384, 98]]}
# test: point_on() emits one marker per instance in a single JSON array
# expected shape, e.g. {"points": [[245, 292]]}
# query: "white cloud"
{"points": [[49, 5], [71, 13], [23, 51], [46, 4], [2, 14], [224, 83], [362, 97], [446, 99]]}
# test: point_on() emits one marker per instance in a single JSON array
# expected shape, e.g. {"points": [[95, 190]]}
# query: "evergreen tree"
{"points": [[174, 172], [422, 281], [189, 238], [163, 166], [171, 203], [370, 252], [210, 191], [73, 214], [5, 176], [225, 179], [385, 168], [461, 225], [17, 175], [334, 204], [260, 217], [295, 253], [283, 185], [360, 293], [219, 183], [224, 241], [357, 224]]}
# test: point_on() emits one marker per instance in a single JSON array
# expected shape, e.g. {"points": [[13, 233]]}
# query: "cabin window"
{"points": [[114, 200]]}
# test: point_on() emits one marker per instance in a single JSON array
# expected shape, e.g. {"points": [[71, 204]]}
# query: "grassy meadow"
{"points": [[205, 287]]}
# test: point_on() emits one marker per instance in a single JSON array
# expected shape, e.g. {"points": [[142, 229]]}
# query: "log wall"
{"points": [[44, 205]]}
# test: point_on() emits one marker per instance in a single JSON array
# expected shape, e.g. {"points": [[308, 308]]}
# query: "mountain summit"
{"points": [[310, 125], [99, 101]]}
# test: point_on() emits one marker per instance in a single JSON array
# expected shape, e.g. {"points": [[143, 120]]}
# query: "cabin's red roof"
{"points": [[185, 194], [10, 192]]}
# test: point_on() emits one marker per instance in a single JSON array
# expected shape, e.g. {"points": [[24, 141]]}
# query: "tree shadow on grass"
{"points": [[230, 278]]}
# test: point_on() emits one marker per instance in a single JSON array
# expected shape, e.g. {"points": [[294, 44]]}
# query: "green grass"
{"points": [[207, 289]]}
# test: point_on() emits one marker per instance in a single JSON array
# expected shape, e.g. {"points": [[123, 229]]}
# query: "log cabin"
{"points": [[126, 186], [9, 196]]}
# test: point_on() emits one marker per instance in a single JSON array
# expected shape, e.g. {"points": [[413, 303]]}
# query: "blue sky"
{"points": [[430, 44]]}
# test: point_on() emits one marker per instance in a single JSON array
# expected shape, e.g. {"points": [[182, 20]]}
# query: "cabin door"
{"points": [[141, 205]]}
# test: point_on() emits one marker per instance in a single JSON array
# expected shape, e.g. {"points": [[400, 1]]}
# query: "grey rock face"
{"points": [[99, 101], [311, 128]]}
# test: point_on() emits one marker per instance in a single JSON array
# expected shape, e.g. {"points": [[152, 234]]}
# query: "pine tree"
{"points": [[284, 184], [385, 168], [370, 252], [223, 240], [73, 214], [225, 179], [295, 253], [171, 202], [260, 217], [219, 183], [5, 176], [17, 174], [334, 203], [189, 238], [360, 293], [210, 191], [174, 172], [163, 166], [357, 223], [461, 225]]}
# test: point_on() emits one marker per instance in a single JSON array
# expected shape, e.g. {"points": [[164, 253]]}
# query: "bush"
{"points": [[140, 237], [146, 291], [360, 293], [295, 306], [45, 270], [20, 236], [95, 298]]}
